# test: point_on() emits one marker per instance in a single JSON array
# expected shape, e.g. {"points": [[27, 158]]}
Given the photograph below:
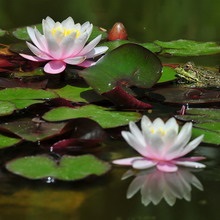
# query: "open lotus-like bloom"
{"points": [[161, 145], [63, 43], [155, 185]]}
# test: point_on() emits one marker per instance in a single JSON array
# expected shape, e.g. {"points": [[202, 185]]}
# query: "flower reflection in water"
{"points": [[154, 185]]}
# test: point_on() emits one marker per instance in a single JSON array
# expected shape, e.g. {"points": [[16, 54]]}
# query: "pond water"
{"points": [[104, 198]]}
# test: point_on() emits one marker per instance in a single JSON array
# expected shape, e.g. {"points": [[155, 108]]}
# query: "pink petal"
{"points": [[36, 51], [143, 163], [126, 161], [86, 63], [167, 167], [33, 58], [55, 67]]}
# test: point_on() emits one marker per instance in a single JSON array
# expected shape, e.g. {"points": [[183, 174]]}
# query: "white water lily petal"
{"points": [[136, 132], [55, 67], [158, 123], [75, 60], [126, 161], [190, 164], [97, 51], [143, 164], [191, 145], [64, 42], [38, 52], [32, 58], [145, 123], [167, 167], [172, 124]]}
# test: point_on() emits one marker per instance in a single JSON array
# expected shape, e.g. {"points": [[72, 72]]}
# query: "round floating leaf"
{"points": [[188, 47], [106, 117], [33, 130], [129, 64], [210, 136], [68, 168], [77, 94], [6, 108], [9, 94], [168, 74], [6, 141]]}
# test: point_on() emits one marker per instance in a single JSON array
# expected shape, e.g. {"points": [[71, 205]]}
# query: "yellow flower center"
{"points": [[160, 130], [65, 31]]}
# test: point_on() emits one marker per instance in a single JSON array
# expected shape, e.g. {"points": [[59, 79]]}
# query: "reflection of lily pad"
{"points": [[106, 117], [68, 168]]}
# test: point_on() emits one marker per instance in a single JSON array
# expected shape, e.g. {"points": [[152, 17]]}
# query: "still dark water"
{"points": [[105, 198]]}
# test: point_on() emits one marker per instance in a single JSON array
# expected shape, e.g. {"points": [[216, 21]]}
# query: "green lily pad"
{"points": [[211, 134], [24, 97], [6, 141], [77, 94], [68, 168], [129, 64], [9, 94], [188, 47], [106, 117], [168, 74], [6, 108]]}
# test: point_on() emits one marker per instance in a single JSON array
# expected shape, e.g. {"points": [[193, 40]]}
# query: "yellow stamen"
{"points": [[65, 31]]}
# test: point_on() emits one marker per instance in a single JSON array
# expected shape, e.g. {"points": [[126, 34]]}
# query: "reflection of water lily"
{"points": [[155, 185], [161, 145], [63, 43]]}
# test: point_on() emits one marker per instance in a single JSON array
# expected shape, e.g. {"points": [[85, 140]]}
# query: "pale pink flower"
{"points": [[63, 43], [161, 145]]}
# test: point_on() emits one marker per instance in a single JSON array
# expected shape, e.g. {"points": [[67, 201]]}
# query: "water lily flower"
{"points": [[155, 185], [161, 144], [63, 43]]}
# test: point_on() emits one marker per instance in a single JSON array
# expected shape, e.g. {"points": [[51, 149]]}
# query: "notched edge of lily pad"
{"points": [[55, 172]]}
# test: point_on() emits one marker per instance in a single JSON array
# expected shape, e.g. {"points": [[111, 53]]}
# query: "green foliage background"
{"points": [[146, 20]]}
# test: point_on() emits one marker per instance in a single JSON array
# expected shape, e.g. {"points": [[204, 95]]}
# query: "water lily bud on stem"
{"points": [[118, 32]]}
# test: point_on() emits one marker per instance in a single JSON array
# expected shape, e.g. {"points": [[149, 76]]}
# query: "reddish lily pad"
{"points": [[182, 95], [68, 168], [33, 130], [106, 117]]}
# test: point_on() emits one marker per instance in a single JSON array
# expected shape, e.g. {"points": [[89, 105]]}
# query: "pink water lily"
{"points": [[161, 144], [63, 43]]}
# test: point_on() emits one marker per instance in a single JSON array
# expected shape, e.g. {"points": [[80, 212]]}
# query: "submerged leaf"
{"points": [[68, 168], [106, 117]]}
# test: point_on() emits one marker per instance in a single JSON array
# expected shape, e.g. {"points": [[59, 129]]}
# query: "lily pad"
{"points": [[68, 168], [24, 97], [77, 94], [106, 117], [6, 141], [129, 64], [168, 74], [33, 130], [188, 47], [6, 108]]}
